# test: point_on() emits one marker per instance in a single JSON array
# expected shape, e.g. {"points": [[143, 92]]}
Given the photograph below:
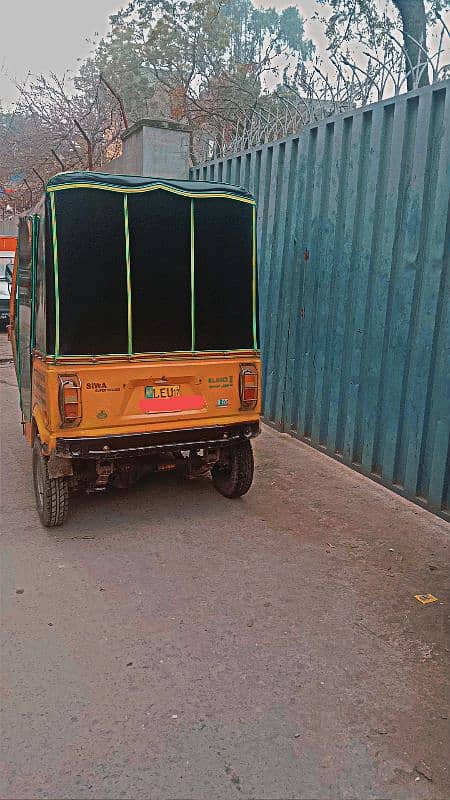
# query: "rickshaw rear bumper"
{"points": [[141, 444]]}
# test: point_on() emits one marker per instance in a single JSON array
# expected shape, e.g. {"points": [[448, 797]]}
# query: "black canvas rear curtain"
{"points": [[151, 268]]}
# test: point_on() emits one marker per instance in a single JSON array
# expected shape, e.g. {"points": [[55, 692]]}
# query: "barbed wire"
{"points": [[315, 94]]}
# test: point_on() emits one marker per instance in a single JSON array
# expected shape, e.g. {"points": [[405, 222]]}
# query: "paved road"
{"points": [[168, 643]]}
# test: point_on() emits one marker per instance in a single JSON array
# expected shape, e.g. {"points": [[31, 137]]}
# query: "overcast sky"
{"points": [[50, 35]]}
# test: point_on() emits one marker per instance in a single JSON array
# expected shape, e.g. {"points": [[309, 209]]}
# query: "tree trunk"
{"points": [[412, 13]]}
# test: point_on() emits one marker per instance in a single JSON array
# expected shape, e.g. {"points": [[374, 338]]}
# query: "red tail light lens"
{"points": [[69, 400], [248, 386]]}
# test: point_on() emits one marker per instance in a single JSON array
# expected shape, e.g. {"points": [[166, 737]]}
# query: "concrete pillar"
{"points": [[155, 149]]}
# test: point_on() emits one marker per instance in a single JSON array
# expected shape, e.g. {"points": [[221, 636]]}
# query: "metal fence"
{"points": [[354, 275]]}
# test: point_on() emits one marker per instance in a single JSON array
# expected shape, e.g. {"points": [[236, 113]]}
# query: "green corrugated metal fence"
{"points": [[353, 242]]}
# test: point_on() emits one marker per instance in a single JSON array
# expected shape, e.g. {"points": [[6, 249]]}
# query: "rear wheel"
{"points": [[233, 474], [52, 494]]}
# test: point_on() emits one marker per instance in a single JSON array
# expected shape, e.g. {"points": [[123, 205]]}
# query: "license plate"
{"points": [[162, 392]]}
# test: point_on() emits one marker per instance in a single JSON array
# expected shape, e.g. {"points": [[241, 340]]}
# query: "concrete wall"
{"points": [[154, 148], [165, 152]]}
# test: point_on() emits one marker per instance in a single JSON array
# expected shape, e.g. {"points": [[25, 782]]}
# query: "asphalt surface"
{"points": [[170, 643]]}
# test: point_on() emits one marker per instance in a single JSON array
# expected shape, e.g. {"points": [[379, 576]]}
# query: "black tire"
{"points": [[233, 475], [52, 494]]}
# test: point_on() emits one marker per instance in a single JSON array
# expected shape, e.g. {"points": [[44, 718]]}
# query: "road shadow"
{"points": [[157, 502]]}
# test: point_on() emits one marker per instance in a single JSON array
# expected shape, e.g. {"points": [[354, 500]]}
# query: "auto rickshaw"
{"points": [[134, 327]]}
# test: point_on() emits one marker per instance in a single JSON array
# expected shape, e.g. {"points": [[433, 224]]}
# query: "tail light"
{"points": [[69, 398], [248, 386]]}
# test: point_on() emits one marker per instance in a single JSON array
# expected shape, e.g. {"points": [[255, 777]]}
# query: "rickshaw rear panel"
{"points": [[118, 399]]}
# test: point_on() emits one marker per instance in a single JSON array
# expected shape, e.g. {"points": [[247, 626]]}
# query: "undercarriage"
{"points": [[94, 464]]}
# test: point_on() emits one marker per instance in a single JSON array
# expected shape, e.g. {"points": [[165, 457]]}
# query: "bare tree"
{"points": [[56, 126]]}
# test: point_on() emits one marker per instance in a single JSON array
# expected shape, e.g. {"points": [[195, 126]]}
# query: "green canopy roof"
{"points": [[135, 183]]}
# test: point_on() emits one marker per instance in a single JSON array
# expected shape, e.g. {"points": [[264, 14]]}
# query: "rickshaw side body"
{"points": [[131, 408]]}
